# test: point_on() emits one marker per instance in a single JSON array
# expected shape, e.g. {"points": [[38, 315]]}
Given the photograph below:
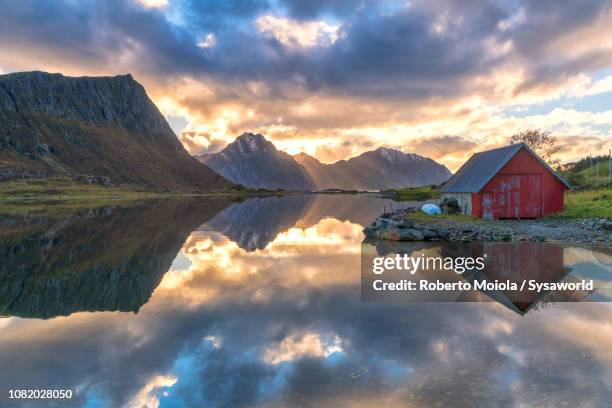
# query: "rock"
{"points": [[384, 223], [405, 223], [370, 232], [607, 225], [428, 234], [400, 234], [410, 234], [442, 233], [396, 218], [450, 205]]}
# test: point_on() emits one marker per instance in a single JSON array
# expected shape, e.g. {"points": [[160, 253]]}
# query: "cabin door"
{"points": [[520, 196], [487, 205]]}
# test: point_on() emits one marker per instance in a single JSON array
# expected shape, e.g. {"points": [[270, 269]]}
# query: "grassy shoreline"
{"points": [[57, 195], [39, 193], [588, 203], [582, 203]]}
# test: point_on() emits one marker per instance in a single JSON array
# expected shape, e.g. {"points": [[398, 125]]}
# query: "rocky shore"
{"points": [[403, 225]]}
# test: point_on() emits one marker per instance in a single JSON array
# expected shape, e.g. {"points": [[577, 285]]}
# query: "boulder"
{"points": [[410, 234], [384, 223], [405, 223], [370, 232], [428, 234]]}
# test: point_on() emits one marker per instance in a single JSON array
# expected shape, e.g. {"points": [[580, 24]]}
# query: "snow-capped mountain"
{"points": [[380, 169], [254, 162]]}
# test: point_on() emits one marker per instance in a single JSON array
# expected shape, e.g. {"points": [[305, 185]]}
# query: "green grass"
{"points": [[62, 194], [591, 177], [415, 193], [59, 195], [586, 203], [57, 188], [593, 203]]}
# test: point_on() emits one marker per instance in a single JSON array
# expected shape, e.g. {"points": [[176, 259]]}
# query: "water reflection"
{"points": [[531, 264], [284, 325], [254, 223], [109, 258]]}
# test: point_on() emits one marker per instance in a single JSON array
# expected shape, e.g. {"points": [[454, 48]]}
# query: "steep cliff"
{"points": [[53, 125]]}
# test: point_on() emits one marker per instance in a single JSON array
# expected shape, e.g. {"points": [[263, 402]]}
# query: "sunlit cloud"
{"points": [[301, 345], [292, 33], [214, 341], [154, 3], [208, 41], [148, 395]]}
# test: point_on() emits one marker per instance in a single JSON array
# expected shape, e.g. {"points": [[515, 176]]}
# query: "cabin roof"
{"points": [[483, 166]]}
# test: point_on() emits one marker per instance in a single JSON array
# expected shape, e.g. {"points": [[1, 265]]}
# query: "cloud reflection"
{"points": [[284, 326]]}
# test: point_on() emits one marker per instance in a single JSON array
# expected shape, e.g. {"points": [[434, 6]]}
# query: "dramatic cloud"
{"points": [[335, 78]]}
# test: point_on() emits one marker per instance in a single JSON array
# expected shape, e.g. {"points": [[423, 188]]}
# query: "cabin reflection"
{"points": [[514, 262], [517, 262]]}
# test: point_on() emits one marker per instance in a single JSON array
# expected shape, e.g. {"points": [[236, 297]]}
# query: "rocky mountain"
{"points": [[254, 162], [380, 169], [97, 128]]}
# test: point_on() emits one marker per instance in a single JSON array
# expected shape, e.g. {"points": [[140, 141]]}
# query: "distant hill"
{"points": [[380, 169], [254, 162], [587, 173], [93, 128]]}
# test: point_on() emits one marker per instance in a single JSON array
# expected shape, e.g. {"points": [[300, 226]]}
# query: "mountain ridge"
{"points": [[107, 127], [378, 169], [254, 162]]}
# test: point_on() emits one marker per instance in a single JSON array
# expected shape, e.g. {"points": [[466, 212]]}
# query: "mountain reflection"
{"points": [[256, 222], [284, 325], [110, 258]]}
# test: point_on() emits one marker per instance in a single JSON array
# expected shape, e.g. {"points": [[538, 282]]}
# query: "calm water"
{"points": [[214, 303]]}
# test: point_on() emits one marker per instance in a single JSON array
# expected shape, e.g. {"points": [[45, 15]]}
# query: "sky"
{"points": [[335, 78]]}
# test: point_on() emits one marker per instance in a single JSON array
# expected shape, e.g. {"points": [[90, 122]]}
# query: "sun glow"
{"points": [[227, 269]]}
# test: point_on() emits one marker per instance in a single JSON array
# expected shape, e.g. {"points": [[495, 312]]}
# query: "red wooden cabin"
{"points": [[508, 182]]}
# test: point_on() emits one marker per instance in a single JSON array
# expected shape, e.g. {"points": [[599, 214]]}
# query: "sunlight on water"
{"points": [[258, 304]]}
